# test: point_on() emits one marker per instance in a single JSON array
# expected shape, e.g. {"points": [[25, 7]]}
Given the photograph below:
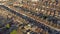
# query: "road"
{"points": [[33, 20], [16, 18]]}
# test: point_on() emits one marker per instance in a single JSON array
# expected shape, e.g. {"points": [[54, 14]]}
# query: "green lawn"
{"points": [[14, 32]]}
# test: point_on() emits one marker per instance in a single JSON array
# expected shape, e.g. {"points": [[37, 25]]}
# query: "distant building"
{"points": [[4, 0], [34, 0]]}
